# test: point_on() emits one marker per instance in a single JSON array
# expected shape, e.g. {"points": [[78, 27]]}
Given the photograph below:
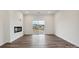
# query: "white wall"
{"points": [[9, 19], [28, 24], [49, 23], [67, 26], [16, 19], [1, 28], [4, 29]]}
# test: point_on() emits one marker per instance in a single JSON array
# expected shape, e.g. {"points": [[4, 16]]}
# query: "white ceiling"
{"points": [[39, 12]]}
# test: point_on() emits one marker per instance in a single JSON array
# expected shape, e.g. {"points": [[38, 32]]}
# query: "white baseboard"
{"points": [[2, 43], [67, 40]]}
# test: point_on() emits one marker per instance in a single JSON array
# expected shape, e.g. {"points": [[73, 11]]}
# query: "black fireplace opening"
{"points": [[17, 29]]}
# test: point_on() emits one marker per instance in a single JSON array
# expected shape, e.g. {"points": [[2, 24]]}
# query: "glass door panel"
{"points": [[38, 26]]}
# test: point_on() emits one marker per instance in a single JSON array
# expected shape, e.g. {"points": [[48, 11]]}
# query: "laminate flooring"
{"points": [[39, 41]]}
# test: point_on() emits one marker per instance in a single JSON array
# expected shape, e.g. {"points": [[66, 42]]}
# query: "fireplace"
{"points": [[17, 29]]}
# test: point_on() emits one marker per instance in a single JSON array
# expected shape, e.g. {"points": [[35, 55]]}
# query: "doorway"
{"points": [[38, 26]]}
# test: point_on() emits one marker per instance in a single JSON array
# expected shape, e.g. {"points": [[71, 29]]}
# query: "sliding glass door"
{"points": [[38, 26]]}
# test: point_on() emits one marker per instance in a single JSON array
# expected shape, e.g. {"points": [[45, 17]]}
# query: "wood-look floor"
{"points": [[39, 41]]}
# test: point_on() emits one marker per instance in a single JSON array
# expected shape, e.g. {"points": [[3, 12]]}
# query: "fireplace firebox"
{"points": [[17, 29]]}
